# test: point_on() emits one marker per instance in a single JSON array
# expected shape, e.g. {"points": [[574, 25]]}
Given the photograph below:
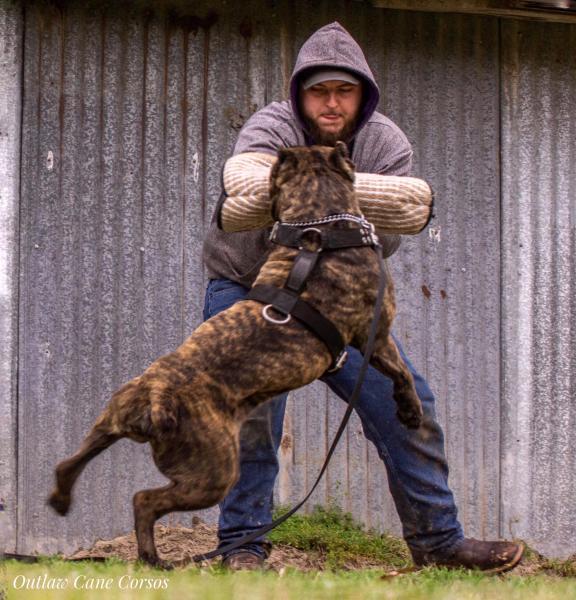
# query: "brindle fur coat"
{"points": [[190, 404]]}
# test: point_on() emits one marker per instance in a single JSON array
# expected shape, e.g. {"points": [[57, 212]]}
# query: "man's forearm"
{"points": [[395, 205]]}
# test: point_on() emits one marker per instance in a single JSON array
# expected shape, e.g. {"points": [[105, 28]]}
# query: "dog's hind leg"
{"points": [[69, 470], [150, 505], [109, 427], [388, 361]]}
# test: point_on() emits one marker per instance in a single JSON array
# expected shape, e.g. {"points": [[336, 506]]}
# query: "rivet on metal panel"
{"points": [[195, 167], [50, 160], [192, 23], [246, 28], [435, 235]]}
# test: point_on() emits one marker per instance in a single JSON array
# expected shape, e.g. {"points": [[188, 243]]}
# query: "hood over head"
{"points": [[333, 47]]}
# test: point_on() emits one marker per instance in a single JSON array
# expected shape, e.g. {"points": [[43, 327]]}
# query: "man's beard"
{"points": [[329, 138]]}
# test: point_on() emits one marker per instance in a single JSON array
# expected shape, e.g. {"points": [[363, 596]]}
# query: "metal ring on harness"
{"points": [[305, 231], [271, 319]]}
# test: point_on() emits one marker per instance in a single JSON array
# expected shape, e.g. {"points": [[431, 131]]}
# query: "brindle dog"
{"points": [[190, 404]]}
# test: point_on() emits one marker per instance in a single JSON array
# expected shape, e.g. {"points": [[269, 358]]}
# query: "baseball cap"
{"points": [[328, 75]]}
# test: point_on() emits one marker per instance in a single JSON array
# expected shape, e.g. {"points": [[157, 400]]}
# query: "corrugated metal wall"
{"points": [[439, 77], [119, 157], [127, 119], [539, 280], [10, 116]]}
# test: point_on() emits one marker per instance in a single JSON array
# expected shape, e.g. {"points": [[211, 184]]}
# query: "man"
{"points": [[333, 96]]}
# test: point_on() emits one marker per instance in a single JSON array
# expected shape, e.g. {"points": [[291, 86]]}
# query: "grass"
{"points": [[332, 534], [215, 584], [339, 539]]}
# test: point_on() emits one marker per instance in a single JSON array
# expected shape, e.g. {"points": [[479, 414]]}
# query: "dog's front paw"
{"points": [[60, 502], [156, 562]]}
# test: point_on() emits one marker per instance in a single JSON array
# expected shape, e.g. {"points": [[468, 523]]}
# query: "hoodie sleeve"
{"points": [[395, 157], [396, 160], [268, 130]]}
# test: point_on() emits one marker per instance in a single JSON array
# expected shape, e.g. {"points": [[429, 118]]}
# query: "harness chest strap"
{"points": [[352, 401], [286, 300], [304, 264], [289, 303]]}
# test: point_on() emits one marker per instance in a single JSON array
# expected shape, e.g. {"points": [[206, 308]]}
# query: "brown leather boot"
{"points": [[243, 561], [489, 557]]}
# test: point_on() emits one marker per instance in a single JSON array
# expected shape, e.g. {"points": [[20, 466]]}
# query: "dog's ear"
{"points": [[283, 168], [286, 158], [342, 149], [273, 187], [275, 168], [339, 159]]}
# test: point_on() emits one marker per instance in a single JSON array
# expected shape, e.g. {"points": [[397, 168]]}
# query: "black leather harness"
{"points": [[311, 240], [282, 300]]}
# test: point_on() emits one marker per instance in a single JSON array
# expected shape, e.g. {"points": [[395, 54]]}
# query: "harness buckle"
{"points": [[274, 231], [342, 358], [369, 236], [313, 230], [374, 235]]}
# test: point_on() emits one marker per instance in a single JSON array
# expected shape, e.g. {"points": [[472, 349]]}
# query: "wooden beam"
{"points": [[544, 10]]}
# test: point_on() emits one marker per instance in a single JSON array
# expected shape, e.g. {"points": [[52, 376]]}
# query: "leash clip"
{"points": [[339, 361]]}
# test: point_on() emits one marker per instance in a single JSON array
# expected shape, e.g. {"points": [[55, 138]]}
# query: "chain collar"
{"points": [[367, 228], [331, 219]]}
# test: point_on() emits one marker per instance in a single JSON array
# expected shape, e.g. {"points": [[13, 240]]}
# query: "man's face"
{"points": [[331, 108]]}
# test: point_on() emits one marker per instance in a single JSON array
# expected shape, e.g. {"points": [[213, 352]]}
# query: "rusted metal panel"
{"points": [[11, 23], [138, 113], [127, 120], [103, 280], [539, 278], [561, 11], [440, 83], [448, 279]]}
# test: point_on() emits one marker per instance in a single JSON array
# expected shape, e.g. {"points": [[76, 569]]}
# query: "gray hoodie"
{"points": [[378, 146]]}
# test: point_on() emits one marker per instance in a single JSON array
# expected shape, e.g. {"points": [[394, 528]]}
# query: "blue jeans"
{"points": [[414, 459]]}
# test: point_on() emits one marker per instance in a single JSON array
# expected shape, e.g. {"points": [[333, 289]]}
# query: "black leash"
{"points": [[351, 405], [344, 239]]}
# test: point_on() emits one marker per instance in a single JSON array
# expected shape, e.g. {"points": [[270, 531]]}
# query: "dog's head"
{"points": [[312, 182]]}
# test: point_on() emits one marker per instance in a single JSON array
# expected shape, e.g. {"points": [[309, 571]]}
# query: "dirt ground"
{"points": [[178, 544]]}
